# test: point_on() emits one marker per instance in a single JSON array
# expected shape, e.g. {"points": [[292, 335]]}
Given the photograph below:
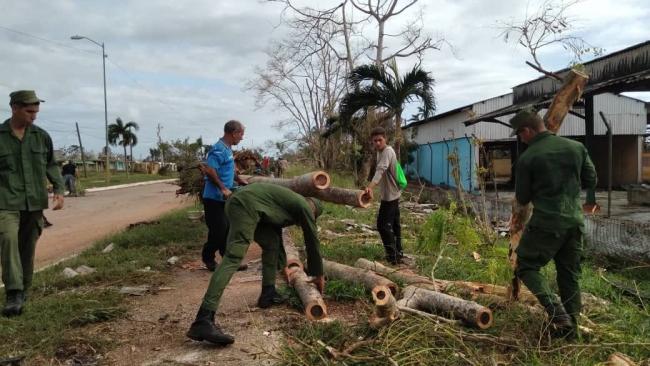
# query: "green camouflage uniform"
{"points": [[24, 166], [258, 212], [550, 174]]}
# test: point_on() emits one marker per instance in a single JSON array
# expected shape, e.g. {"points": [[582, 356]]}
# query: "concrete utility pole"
{"points": [[162, 153], [81, 147], [106, 152]]}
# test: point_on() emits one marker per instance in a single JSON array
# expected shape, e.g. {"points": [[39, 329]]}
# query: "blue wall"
{"points": [[431, 163]]}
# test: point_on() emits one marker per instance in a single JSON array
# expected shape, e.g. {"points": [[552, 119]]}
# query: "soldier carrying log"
{"points": [[550, 174], [261, 211]]}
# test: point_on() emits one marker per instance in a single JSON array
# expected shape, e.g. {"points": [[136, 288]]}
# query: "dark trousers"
{"points": [[19, 232], [389, 229], [564, 246], [217, 223]]}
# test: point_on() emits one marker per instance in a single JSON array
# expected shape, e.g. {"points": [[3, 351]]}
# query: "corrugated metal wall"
{"points": [[628, 117], [431, 163]]}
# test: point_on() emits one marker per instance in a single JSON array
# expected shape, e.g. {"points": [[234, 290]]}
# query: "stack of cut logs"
{"points": [[422, 296], [314, 184]]}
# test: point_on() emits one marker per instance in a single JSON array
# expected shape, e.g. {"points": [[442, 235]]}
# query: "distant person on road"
{"points": [[219, 182], [258, 212], [69, 172], [550, 174], [26, 160], [388, 217]]}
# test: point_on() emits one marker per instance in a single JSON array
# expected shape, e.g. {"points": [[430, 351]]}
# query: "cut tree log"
{"points": [[315, 308], [316, 184], [344, 196], [307, 184], [474, 289], [386, 310], [439, 303], [293, 257], [312, 300], [571, 90], [369, 279]]}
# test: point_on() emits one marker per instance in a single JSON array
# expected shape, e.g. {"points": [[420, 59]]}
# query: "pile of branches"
{"points": [[190, 178]]}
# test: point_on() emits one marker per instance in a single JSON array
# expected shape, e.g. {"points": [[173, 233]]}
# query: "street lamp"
{"points": [[76, 38]]}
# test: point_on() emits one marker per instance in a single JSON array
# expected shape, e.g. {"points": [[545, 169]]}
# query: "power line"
{"points": [[60, 44]]}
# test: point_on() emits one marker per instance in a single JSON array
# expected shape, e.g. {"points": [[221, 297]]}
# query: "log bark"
{"points": [[386, 310], [569, 93], [293, 258], [311, 298], [315, 308], [436, 302], [351, 197], [369, 279], [474, 289], [316, 184], [307, 184]]}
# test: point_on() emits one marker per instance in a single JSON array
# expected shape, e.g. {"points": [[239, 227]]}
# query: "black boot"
{"points": [[269, 297], [14, 304], [562, 325], [205, 329]]}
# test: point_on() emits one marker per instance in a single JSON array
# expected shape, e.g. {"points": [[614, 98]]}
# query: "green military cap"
{"points": [[318, 206], [25, 97], [526, 117]]}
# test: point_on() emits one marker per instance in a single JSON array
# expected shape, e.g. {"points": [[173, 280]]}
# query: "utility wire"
{"points": [[58, 43]]}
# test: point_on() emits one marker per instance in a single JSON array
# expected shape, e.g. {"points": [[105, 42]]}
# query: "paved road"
{"points": [[87, 219]]}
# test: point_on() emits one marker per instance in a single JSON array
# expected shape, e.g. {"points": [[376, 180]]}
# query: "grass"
{"points": [[59, 308], [445, 244], [96, 180]]}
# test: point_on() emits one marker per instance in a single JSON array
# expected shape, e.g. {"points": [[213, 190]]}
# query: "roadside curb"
{"points": [[119, 186]]}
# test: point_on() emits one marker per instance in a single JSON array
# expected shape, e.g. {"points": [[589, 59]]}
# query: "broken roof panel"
{"points": [[630, 66]]}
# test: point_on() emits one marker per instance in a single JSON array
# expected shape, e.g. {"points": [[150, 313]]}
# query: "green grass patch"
{"points": [[446, 246], [98, 179], [59, 308]]}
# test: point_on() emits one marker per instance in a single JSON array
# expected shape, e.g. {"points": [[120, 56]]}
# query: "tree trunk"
{"points": [[370, 280], [293, 257], [436, 302], [351, 197], [569, 93], [386, 310], [306, 184], [315, 308], [473, 289], [316, 184], [126, 167], [313, 303], [398, 133]]}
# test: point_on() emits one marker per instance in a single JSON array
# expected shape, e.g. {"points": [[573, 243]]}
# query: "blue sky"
{"points": [[185, 64]]}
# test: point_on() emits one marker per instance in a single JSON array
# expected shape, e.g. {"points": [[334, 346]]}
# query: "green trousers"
{"points": [[19, 232], [536, 248], [244, 228]]}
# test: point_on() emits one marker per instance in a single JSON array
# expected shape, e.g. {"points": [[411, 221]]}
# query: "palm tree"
{"points": [[122, 132], [381, 87]]}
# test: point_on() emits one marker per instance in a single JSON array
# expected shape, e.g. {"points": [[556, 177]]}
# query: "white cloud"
{"points": [[184, 64]]}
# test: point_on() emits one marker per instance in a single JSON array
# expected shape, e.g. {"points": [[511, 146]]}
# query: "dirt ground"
{"points": [[153, 333], [84, 220]]}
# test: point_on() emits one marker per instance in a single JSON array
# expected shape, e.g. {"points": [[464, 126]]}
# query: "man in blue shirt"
{"points": [[219, 182]]}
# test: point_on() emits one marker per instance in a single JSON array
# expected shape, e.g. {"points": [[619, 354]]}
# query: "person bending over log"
{"points": [[258, 212]]}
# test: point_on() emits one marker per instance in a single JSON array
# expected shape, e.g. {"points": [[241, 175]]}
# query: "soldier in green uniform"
{"points": [[26, 160], [550, 174], [258, 212]]}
